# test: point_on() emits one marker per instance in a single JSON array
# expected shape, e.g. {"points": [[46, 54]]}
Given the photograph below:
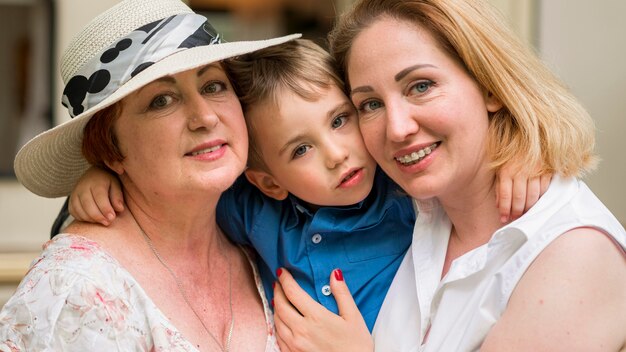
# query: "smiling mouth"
{"points": [[205, 151], [417, 156]]}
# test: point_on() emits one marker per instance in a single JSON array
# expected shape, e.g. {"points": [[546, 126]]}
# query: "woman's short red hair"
{"points": [[99, 141]]}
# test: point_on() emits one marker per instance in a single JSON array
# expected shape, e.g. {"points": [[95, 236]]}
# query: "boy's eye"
{"points": [[160, 102], [214, 87], [339, 121], [301, 150]]}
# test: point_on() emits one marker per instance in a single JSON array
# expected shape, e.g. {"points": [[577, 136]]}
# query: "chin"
{"points": [[220, 180], [421, 189]]}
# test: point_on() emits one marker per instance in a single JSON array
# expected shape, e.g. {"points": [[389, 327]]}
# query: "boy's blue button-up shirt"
{"points": [[367, 241]]}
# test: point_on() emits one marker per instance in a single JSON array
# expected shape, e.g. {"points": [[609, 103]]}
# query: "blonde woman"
{"points": [[446, 95]]}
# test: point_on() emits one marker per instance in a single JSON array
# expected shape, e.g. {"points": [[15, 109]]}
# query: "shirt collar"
{"points": [[560, 192], [369, 211]]}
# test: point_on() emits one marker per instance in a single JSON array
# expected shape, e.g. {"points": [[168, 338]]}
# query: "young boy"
{"points": [[312, 199]]}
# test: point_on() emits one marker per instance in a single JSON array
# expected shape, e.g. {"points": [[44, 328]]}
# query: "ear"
{"points": [[492, 102], [116, 166], [266, 183]]}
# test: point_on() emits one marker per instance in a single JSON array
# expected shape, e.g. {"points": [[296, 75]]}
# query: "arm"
{"points": [[303, 324], [571, 298], [98, 196]]}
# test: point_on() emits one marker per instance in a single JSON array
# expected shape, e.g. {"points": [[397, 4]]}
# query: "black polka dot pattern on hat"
{"points": [[131, 55], [112, 53], [78, 87]]}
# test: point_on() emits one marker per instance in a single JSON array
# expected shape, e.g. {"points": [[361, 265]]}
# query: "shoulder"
{"points": [[571, 297], [582, 261], [72, 296], [581, 254]]}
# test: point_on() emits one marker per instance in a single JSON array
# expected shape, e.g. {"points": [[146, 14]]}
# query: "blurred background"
{"points": [[584, 42]]}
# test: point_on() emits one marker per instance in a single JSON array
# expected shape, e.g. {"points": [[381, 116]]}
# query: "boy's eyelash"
{"points": [[295, 155]]}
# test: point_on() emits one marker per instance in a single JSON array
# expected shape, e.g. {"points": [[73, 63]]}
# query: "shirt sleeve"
{"points": [[56, 310], [238, 209]]}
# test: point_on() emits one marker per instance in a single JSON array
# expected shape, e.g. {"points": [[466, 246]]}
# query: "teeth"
{"points": [[208, 150], [416, 156]]}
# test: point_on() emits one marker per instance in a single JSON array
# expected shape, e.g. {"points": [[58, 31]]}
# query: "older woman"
{"points": [[446, 76], [145, 83]]}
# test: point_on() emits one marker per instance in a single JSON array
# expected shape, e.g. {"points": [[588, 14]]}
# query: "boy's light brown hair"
{"points": [[299, 66]]}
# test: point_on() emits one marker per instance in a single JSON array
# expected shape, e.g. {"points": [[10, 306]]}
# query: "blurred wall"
{"points": [[585, 44]]}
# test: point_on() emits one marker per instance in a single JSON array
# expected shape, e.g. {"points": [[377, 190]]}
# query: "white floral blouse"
{"points": [[76, 297]]}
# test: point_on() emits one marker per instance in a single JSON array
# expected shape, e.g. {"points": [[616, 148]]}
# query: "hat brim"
{"points": [[51, 163]]}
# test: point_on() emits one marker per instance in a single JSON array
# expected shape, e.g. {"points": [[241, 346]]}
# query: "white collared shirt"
{"points": [[461, 308]]}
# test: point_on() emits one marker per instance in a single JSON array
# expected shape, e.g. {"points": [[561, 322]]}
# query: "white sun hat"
{"points": [[120, 51]]}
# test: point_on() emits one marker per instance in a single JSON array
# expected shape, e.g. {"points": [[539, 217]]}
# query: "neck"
{"points": [[474, 214], [186, 230]]}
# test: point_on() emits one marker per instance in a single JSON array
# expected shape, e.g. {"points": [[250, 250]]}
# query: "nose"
{"points": [[401, 121], [201, 114], [336, 153]]}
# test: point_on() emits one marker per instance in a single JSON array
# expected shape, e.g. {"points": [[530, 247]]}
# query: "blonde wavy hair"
{"points": [[541, 122]]}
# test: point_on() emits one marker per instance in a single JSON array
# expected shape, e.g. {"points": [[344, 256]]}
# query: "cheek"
{"points": [[373, 136], [237, 124]]}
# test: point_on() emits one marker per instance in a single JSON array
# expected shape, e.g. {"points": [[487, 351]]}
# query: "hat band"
{"points": [[125, 58]]}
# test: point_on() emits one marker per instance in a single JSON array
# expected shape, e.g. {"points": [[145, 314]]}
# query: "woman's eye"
{"points": [[214, 87], [370, 106], [422, 86], [339, 121], [301, 150], [160, 102]]}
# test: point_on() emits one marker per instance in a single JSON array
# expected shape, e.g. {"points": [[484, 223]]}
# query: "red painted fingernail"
{"points": [[272, 302], [338, 275], [273, 285], [278, 272]]}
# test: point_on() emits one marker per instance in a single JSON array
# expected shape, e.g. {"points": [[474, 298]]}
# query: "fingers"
{"points": [[288, 321], [282, 345], [298, 297], [345, 303], [83, 207], [100, 197], [504, 197], [520, 191], [517, 194], [76, 209], [93, 198], [545, 182], [283, 332], [532, 192], [284, 308], [116, 195]]}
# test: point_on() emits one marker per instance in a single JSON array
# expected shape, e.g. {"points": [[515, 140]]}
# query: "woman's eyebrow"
{"points": [[205, 68], [400, 75]]}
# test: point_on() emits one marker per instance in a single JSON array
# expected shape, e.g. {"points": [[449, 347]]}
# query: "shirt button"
{"points": [[317, 238], [326, 290]]}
